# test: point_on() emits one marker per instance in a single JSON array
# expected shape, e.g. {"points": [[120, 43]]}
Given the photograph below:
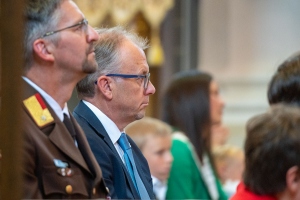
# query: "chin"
{"points": [[163, 178], [216, 121], [140, 115], [89, 67]]}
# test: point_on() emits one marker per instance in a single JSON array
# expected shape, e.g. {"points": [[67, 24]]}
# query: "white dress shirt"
{"points": [[111, 128], [159, 188]]}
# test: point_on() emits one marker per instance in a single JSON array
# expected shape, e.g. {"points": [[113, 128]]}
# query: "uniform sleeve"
{"points": [[30, 180]]}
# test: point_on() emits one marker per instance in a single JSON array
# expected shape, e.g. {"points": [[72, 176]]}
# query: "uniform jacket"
{"points": [[114, 171], [53, 167]]}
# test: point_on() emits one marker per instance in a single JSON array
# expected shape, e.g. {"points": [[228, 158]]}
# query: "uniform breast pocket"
{"points": [[63, 181]]}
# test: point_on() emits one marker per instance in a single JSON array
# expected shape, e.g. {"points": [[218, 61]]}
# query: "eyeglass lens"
{"points": [[146, 81]]}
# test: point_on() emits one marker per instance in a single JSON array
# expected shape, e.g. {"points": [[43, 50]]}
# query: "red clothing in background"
{"points": [[242, 193]]}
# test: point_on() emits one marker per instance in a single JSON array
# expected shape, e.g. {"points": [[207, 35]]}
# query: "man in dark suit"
{"points": [[57, 160], [114, 96]]}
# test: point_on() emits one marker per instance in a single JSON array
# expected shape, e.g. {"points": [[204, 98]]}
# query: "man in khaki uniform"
{"points": [[58, 46]]}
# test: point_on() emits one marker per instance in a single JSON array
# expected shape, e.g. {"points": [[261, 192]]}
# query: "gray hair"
{"points": [[41, 16], [107, 50]]}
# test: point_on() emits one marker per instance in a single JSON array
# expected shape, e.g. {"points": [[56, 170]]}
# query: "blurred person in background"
{"points": [[284, 86], [191, 105], [154, 139], [229, 161], [219, 134], [272, 149]]}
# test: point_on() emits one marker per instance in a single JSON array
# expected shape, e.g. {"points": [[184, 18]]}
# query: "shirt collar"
{"points": [[159, 188], [111, 128], [156, 181], [53, 104]]}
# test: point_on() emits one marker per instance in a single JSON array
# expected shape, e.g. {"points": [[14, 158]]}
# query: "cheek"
{"points": [[134, 95], [72, 47], [156, 162], [213, 109], [151, 158], [124, 97], [155, 159], [212, 103], [236, 172]]}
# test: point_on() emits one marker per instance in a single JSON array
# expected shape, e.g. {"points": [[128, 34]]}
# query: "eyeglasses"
{"points": [[146, 77], [84, 23]]}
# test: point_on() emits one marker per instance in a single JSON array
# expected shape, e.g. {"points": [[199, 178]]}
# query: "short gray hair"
{"points": [[107, 50], [41, 16]]}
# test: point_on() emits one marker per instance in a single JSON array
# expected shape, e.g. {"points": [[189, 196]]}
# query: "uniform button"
{"points": [[69, 189], [94, 191], [107, 190]]}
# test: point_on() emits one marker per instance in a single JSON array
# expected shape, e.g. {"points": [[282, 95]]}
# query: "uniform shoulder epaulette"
{"points": [[38, 110]]}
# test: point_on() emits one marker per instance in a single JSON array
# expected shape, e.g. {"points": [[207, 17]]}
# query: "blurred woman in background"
{"points": [[192, 105]]}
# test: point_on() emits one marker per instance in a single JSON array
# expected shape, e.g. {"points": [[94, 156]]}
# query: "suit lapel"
{"points": [[127, 175], [85, 112], [86, 151]]}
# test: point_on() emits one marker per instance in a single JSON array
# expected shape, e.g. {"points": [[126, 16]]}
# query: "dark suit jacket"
{"points": [[114, 171], [42, 178]]}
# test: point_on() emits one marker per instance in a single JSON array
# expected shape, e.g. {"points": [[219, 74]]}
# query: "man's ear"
{"points": [[293, 179], [105, 85], [43, 49]]}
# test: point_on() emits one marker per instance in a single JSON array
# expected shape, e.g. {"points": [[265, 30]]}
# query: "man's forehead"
{"points": [[69, 12]]}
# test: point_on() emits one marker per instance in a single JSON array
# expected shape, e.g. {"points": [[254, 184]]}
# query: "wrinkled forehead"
{"points": [[133, 59]]}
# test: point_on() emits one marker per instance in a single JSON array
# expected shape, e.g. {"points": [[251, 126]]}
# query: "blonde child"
{"points": [[229, 162], [153, 137]]}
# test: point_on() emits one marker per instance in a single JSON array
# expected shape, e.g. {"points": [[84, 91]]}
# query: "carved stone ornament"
{"points": [[154, 12], [123, 11]]}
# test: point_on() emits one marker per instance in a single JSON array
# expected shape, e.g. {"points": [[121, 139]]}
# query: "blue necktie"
{"points": [[131, 167]]}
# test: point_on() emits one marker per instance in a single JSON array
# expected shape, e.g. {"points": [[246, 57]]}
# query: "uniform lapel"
{"points": [[62, 139], [57, 132]]}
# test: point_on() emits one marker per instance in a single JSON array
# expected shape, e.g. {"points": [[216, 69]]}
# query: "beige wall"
{"points": [[241, 43]]}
